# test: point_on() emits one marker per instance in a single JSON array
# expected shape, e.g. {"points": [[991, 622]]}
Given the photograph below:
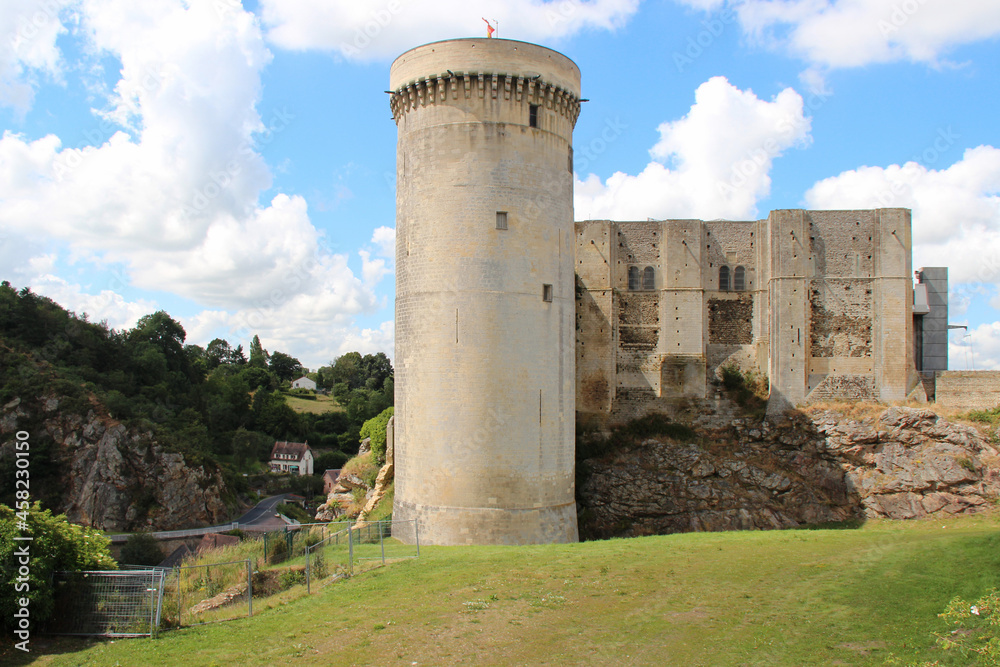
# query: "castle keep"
{"points": [[511, 318], [818, 301], [485, 398]]}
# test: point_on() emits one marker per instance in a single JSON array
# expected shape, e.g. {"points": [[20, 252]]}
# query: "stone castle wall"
{"points": [[978, 390], [485, 308], [817, 300]]}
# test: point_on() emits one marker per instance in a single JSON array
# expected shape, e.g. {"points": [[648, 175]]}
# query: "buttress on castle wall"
{"points": [[818, 301]]}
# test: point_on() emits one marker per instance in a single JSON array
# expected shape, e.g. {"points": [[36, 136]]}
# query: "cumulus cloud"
{"points": [[166, 181], [373, 29], [978, 350], [714, 162], [956, 211], [29, 29], [854, 33], [106, 305]]}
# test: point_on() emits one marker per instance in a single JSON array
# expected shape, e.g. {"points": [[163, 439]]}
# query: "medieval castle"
{"points": [[511, 318]]}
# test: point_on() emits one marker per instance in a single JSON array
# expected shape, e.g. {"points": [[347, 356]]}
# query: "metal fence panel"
{"points": [[198, 594], [108, 603], [358, 545]]}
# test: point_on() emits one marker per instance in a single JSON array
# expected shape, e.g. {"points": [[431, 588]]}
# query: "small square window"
{"points": [[546, 292], [501, 219], [533, 115]]}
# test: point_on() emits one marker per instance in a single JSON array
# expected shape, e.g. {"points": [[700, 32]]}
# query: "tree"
{"points": [[273, 416], [258, 355], [56, 545], [251, 446], [285, 367], [165, 333], [141, 549], [349, 370], [374, 428], [377, 368]]}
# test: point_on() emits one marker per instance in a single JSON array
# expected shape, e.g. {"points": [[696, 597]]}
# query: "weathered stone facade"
{"points": [[818, 301], [485, 401]]}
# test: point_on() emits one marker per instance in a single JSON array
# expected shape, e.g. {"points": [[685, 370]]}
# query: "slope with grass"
{"points": [[794, 597]]}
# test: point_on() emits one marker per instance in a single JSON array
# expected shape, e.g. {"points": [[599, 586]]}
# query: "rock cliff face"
{"points": [[115, 478], [904, 463]]}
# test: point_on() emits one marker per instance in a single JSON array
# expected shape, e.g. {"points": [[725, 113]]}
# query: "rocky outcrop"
{"points": [[117, 478], [382, 482], [903, 463]]}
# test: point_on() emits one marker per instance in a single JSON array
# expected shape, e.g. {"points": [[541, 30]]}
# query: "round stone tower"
{"points": [[485, 387]]}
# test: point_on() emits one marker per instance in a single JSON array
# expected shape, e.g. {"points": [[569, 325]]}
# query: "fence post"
{"points": [[180, 600], [381, 542], [152, 604], [350, 549], [308, 588], [249, 587]]}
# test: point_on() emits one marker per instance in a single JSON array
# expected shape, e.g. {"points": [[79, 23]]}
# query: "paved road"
{"points": [[262, 510], [261, 513]]}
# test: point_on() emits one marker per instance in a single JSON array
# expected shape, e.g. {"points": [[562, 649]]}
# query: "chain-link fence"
{"points": [[198, 594], [108, 603], [358, 545]]}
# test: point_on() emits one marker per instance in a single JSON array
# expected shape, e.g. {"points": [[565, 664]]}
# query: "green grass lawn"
{"points": [[321, 405], [794, 597]]}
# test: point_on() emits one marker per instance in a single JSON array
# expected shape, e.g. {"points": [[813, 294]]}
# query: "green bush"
{"points": [[56, 545], [317, 567], [291, 577], [748, 390], [374, 428], [141, 549], [975, 633], [277, 550]]}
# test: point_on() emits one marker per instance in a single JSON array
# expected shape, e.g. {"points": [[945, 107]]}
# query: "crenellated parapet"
{"points": [[470, 85]]}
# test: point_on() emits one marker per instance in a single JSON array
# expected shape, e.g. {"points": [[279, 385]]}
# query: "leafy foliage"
{"points": [[141, 549], [975, 633], [211, 404], [374, 428], [56, 544], [748, 390]]}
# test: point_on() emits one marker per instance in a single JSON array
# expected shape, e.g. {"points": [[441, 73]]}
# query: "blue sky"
{"points": [[234, 163]]}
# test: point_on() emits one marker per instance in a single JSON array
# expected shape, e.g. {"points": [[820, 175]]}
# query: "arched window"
{"points": [[633, 278], [648, 278], [724, 278], [740, 279]]}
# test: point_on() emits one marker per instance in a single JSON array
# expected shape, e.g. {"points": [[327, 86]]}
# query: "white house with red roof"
{"points": [[293, 457]]}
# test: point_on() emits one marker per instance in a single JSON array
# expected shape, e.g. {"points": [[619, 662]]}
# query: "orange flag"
{"points": [[489, 29]]}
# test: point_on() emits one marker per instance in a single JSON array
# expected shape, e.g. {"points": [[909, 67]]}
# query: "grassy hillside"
{"points": [[794, 597], [318, 406]]}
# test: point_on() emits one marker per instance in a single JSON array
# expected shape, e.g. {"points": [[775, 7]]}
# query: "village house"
{"points": [[304, 383], [293, 457]]}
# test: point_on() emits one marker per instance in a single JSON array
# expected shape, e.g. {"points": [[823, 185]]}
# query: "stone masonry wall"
{"points": [[730, 320], [841, 322], [968, 389]]}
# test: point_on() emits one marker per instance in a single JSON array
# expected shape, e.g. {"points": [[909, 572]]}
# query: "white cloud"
{"points": [[384, 239], [167, 180], [714, 162], [372, 29], [315, 342], [105, 305], [854, 33], [28, 31], [956, 211], [979, 350]]}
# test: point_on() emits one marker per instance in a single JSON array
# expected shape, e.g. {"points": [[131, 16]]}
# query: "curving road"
{"points": [[261, 513]]}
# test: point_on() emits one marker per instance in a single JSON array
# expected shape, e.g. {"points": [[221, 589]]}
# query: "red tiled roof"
{"points": [[291, 451]]}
